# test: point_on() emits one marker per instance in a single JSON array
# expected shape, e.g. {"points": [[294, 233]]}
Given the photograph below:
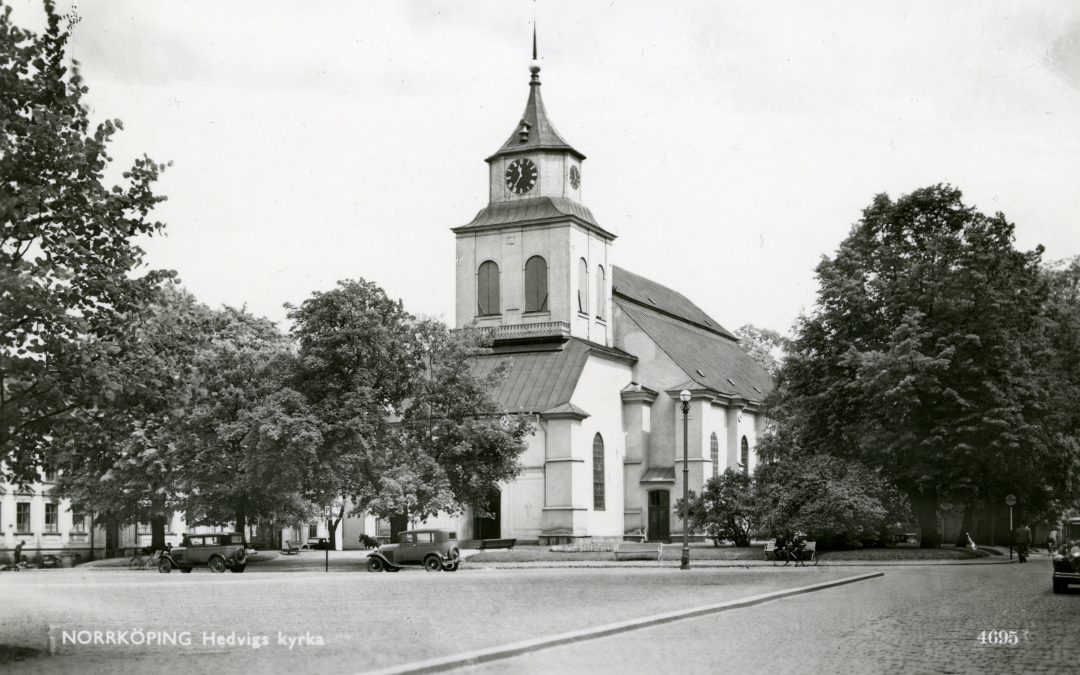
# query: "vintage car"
{"points": [[219, 551], [434, 549], [1067, 556]]}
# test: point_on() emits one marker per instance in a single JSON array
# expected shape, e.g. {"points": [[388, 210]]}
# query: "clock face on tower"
{"points": [[575, 177], [521, 176]]}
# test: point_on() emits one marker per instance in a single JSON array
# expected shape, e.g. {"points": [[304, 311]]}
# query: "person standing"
{"points": [[18, 553], [1023, 540]]}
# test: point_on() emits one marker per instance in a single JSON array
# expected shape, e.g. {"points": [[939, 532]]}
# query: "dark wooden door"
{"points": [[491, 527], [659, 516], [398, 524]]}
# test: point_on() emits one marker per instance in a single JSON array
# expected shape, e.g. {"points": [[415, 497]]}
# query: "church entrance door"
{"points": [[659, 515], [398, 523], [489, 528]]}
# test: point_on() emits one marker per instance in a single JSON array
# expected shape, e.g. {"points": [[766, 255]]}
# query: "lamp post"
{"points": [[684, 396]]}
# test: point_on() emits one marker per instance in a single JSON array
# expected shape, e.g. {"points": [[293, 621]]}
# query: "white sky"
{"points": [[729, 144]]}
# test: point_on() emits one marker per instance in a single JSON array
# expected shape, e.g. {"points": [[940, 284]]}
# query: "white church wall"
{"points": [[597, 393]]}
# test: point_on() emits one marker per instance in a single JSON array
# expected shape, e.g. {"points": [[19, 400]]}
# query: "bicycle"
{"points": [[144, 560]]}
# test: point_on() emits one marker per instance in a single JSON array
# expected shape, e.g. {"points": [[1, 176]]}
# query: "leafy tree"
{"points": [[918, 359], [725, 509], [127, 463], [246, 447], [406, 427], [834, 501], [764, 345], [454, 443], [67, 257]]}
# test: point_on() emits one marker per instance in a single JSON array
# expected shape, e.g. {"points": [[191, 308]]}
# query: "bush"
{"points": [[835, 502], [726, 508]]}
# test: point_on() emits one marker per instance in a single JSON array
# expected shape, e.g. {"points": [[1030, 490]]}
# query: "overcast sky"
{"points": [[730, 144]]}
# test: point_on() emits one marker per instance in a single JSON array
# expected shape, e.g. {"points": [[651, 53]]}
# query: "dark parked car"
{"points": [[1067, 556], [319, 544], [219, 551], [434, 549]]}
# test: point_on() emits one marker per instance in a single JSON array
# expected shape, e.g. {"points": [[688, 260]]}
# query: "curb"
{"points": [[478, 656]]}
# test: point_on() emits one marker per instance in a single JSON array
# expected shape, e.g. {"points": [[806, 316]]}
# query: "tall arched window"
{"points": [[487, 289], [601, 293], [536, 286], [583, 286], [714, 454], [598, 473], [745, 456]]}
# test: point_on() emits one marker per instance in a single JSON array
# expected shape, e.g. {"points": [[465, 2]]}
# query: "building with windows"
{"points": [[598, 358]]}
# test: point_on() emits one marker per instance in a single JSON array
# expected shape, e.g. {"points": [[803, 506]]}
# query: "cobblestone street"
{"points": [[913, 620]]}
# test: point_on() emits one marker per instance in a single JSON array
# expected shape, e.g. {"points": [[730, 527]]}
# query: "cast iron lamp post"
{"points": [[684, 396]]}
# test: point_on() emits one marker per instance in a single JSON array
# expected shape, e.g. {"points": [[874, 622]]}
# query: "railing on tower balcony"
{"points": [[529, 330]]}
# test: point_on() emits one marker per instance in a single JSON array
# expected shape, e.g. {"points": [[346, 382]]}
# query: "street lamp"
{"points": [[684, 396]]}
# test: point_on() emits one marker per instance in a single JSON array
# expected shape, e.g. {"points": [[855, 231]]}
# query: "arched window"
{"points": [[601, 293], [598, 473], [583, 286], [745, 456], [714, 454], [487, 289], [536, 286]]}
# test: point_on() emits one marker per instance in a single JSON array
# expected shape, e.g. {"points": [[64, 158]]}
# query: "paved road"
{"points": [[915, 619]]}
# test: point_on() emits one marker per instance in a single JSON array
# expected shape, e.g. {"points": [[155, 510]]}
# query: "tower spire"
{"points": [[534, 39], [534, 66]]}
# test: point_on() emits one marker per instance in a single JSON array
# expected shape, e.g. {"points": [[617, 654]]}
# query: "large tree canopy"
{"points": [[67, 255], [406, 427], [919, 357]]}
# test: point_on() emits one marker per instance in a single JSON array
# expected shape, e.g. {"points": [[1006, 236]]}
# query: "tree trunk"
{"points": [[157, 532], [241, 523], [968, 525], [925, 506], [332, 525]]}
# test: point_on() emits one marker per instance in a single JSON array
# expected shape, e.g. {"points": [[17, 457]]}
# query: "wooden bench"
{"points": [[486, 544], [641, 550], [291, 547]]}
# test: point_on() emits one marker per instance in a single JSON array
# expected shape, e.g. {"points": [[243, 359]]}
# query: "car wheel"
{"points": [[432, 563], [164, 565], [237, 569], [374, 565], [216, 564]]}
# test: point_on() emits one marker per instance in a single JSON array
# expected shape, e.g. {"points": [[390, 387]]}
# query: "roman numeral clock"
{"points": [[521, 175]]}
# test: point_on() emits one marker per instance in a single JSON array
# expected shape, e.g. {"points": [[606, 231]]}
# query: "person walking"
{"points": [[1023, 540], [18, 553]]}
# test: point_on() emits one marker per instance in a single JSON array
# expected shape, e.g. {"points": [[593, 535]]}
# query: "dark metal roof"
{"points": [[534, 210], [659, 475], [538, 381], [663, 299], [541, 134], [708, 358]]}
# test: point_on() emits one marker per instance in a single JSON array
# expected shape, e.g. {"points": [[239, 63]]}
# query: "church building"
{"points": [[598, 357]]}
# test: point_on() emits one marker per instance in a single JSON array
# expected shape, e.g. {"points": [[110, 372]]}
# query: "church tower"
{"points": [[534, 263]]}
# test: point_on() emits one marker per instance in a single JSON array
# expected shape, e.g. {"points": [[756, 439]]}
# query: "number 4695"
{"points": [[999, 637]]}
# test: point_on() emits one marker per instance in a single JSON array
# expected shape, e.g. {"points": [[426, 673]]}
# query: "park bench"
{"points": [[641, 550], [809, 551], [486, 544], [291, 547]]}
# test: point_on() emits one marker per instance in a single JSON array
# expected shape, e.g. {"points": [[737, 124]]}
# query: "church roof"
{"points": [[658, 297], [542, 380], [710, 358], [533, 210], [535, 130]]}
